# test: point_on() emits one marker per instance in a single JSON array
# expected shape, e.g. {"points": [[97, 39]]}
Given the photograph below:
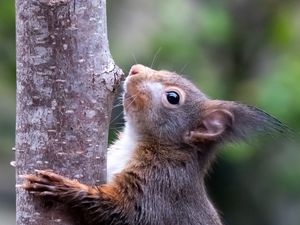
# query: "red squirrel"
{"points": [[156, 168]]}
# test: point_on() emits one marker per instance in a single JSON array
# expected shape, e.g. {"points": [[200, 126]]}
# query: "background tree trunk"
{"points": [[66, 80]]}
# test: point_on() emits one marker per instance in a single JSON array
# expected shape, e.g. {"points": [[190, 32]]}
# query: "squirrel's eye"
{"points": [[173, 97]]}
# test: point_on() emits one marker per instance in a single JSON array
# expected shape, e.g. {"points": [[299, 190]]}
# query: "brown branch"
{"points": [[66, 81]]}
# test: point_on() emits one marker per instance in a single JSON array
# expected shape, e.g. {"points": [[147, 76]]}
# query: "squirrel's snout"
{"points": [[140, 69], [136, 69]]}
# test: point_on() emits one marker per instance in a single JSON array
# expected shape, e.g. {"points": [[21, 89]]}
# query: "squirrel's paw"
{"points": [[45, 183]]}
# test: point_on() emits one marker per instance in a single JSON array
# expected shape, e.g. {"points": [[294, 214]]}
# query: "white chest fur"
{"points": [[120, 152]]}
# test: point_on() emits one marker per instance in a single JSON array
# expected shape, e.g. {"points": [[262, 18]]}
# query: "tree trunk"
{"points": [[66, 80]]}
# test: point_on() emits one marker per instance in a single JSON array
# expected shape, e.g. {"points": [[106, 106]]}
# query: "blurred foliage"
{"points": [[7, 110], [247, 51], [7, 76]]}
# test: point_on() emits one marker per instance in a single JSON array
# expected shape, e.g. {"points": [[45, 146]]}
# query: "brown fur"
{"points": [[163, 182]]}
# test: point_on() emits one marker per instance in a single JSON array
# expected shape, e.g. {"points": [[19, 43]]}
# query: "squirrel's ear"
{"points": [[213, 125], [223, 120]]}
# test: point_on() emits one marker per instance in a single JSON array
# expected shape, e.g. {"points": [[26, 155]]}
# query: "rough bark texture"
{"points": [[66, 81]]}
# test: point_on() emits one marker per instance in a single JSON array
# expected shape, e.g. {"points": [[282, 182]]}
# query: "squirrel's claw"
{"points": [[44, 183]]}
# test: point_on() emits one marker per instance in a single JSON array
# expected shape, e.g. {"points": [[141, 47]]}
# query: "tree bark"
{"points": [[66, 80]]}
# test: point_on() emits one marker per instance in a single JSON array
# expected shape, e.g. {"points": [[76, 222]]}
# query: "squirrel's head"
{"points": [[166, 107]]}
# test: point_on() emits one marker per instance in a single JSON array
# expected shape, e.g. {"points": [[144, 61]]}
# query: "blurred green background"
{"points": [[246, 50]]}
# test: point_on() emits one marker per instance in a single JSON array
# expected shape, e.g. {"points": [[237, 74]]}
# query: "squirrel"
{"points": [[156, 168]]}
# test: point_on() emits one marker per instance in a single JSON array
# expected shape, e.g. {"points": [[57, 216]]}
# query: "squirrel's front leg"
{"points": [[49, 184], [98, 205]]}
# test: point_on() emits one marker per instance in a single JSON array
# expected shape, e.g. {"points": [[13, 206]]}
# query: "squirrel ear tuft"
{"points": [[225, 120]]}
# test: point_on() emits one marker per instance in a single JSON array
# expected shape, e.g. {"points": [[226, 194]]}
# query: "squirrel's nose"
{"points": [[136, 69]]}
